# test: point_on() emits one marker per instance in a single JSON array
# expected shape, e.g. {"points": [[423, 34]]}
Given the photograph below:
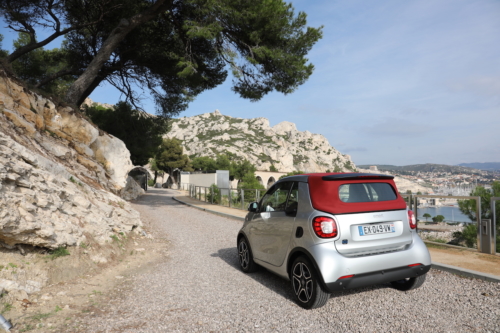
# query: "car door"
{"points": [[274, 224]]}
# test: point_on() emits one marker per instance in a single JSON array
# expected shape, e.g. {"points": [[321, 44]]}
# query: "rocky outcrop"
{"points": [[59, 174], [132, 190], [282, 145]]}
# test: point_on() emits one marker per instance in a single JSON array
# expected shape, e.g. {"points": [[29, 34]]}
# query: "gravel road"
{"points": [[199, 288]]}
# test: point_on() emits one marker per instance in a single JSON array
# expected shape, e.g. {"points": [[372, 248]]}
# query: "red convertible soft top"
{"points": [[324, 191]]}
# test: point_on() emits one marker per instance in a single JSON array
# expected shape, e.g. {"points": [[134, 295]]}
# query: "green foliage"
{"points": [[438, 218], [6, 308], [151, 182], [467, 235], [468, 207], [170, 156], [180, 49], [272, 168], [59, 252], [213, 194], [426, 215], [293, 173], [237, 169], [3, 53], [141, 133], [242, 169], [249, 182], [204, 163], [39, 64]]}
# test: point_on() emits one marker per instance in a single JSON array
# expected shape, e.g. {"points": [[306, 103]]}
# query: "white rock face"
{"points": [[112, 153], [282, 145], [52, 209], [58, 174]]}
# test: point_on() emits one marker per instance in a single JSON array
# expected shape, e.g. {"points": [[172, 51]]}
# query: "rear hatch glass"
{"points": [[354, 196], [366, 192]]}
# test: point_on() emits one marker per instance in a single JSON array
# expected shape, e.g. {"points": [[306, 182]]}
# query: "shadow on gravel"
{"points": [[267, 279], [279, 285], [156, 197]]}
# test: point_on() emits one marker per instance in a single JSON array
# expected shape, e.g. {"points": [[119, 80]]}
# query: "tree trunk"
{"points": [[79, 87], [97, 81], [156, 176]]}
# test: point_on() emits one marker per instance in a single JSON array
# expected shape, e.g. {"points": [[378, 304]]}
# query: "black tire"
{"points": [[245, 256], [409, 283], [306, 285]]}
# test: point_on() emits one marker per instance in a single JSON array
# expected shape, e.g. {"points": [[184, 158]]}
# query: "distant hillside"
{"points": [[489, 166], [281, 146], [423, 168]]}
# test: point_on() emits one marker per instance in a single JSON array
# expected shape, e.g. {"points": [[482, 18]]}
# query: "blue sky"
{"points": [[395, 82]]}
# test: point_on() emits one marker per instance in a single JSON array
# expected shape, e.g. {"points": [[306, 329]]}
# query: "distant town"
{"points": [[442, 179]]}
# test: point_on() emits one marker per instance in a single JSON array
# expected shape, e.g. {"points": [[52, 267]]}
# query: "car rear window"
{"points": [[366, 192]]}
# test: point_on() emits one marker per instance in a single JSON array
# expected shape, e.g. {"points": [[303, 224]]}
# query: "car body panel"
{"points": [[275, 240]]}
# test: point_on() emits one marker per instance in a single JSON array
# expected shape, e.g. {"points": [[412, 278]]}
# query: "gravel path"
{"points": [[200, 288]]}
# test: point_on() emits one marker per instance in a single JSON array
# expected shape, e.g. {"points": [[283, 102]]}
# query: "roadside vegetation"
{"points": [[468, 207]]}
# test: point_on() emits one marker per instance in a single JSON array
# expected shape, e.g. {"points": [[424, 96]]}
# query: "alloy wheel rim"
{"points": [[244, 256], [302, 282]]}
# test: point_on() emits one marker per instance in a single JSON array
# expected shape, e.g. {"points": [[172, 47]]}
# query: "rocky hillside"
{"points": [[60, 177], [282, 145]]}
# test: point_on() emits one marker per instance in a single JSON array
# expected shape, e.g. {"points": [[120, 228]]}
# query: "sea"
{"points": [[450, 213]]}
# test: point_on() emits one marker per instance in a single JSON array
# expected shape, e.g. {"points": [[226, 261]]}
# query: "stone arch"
{"points": [[260, 180], [270, 181], [141, 176]]}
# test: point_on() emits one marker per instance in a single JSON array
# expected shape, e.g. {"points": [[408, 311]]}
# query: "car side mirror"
{"points": [[253, 207]]}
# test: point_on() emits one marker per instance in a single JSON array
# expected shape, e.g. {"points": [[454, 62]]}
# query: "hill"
{"points": [[488, 166], [428, 167], [282, 145]]}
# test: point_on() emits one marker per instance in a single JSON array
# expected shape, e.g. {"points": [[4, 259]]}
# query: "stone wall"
{"points": [[59, 174]]}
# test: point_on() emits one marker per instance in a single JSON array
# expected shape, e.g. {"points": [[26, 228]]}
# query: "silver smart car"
{"points": [[333, 231]]}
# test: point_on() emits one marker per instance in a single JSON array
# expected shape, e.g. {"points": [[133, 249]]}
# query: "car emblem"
{"points": [[345, 241]]}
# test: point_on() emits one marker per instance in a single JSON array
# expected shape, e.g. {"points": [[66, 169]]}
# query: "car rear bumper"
{"points": [[371, 269], [379, 277]]}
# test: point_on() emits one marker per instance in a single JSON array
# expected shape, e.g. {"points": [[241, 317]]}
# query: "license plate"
{"points": [[376, 229]]}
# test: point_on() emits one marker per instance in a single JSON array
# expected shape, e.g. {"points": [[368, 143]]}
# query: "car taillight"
{"points": [[325, 227], [412, 219]]}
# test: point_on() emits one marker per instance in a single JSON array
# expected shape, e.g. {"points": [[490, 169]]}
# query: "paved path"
{"points": [[200, 288]]}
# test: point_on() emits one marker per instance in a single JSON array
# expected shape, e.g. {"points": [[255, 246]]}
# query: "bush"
{"points": [[213, 194], [467, 235]]}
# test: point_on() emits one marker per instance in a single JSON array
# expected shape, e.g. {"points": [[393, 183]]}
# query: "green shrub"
{"points": [[468, 235], [213, 194], [59, 252]]}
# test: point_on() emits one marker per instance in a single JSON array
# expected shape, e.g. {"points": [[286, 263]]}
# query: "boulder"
{"points": [[132, 190]]}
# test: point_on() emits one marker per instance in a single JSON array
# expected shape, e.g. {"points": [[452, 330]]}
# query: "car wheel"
{"points": [[306, 286], [409, 283], [245, 256]]}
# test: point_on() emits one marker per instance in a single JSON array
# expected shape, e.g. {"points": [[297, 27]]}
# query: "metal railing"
{"points": [[228, 197]]}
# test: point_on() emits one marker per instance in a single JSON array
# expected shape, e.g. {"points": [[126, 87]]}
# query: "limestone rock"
{"points": [[58, 176], [282, 145], [132, 190], [114, 156]]}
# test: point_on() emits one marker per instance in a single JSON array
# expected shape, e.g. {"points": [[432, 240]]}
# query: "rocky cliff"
{"points": [[60, 177], [282, 145]]}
